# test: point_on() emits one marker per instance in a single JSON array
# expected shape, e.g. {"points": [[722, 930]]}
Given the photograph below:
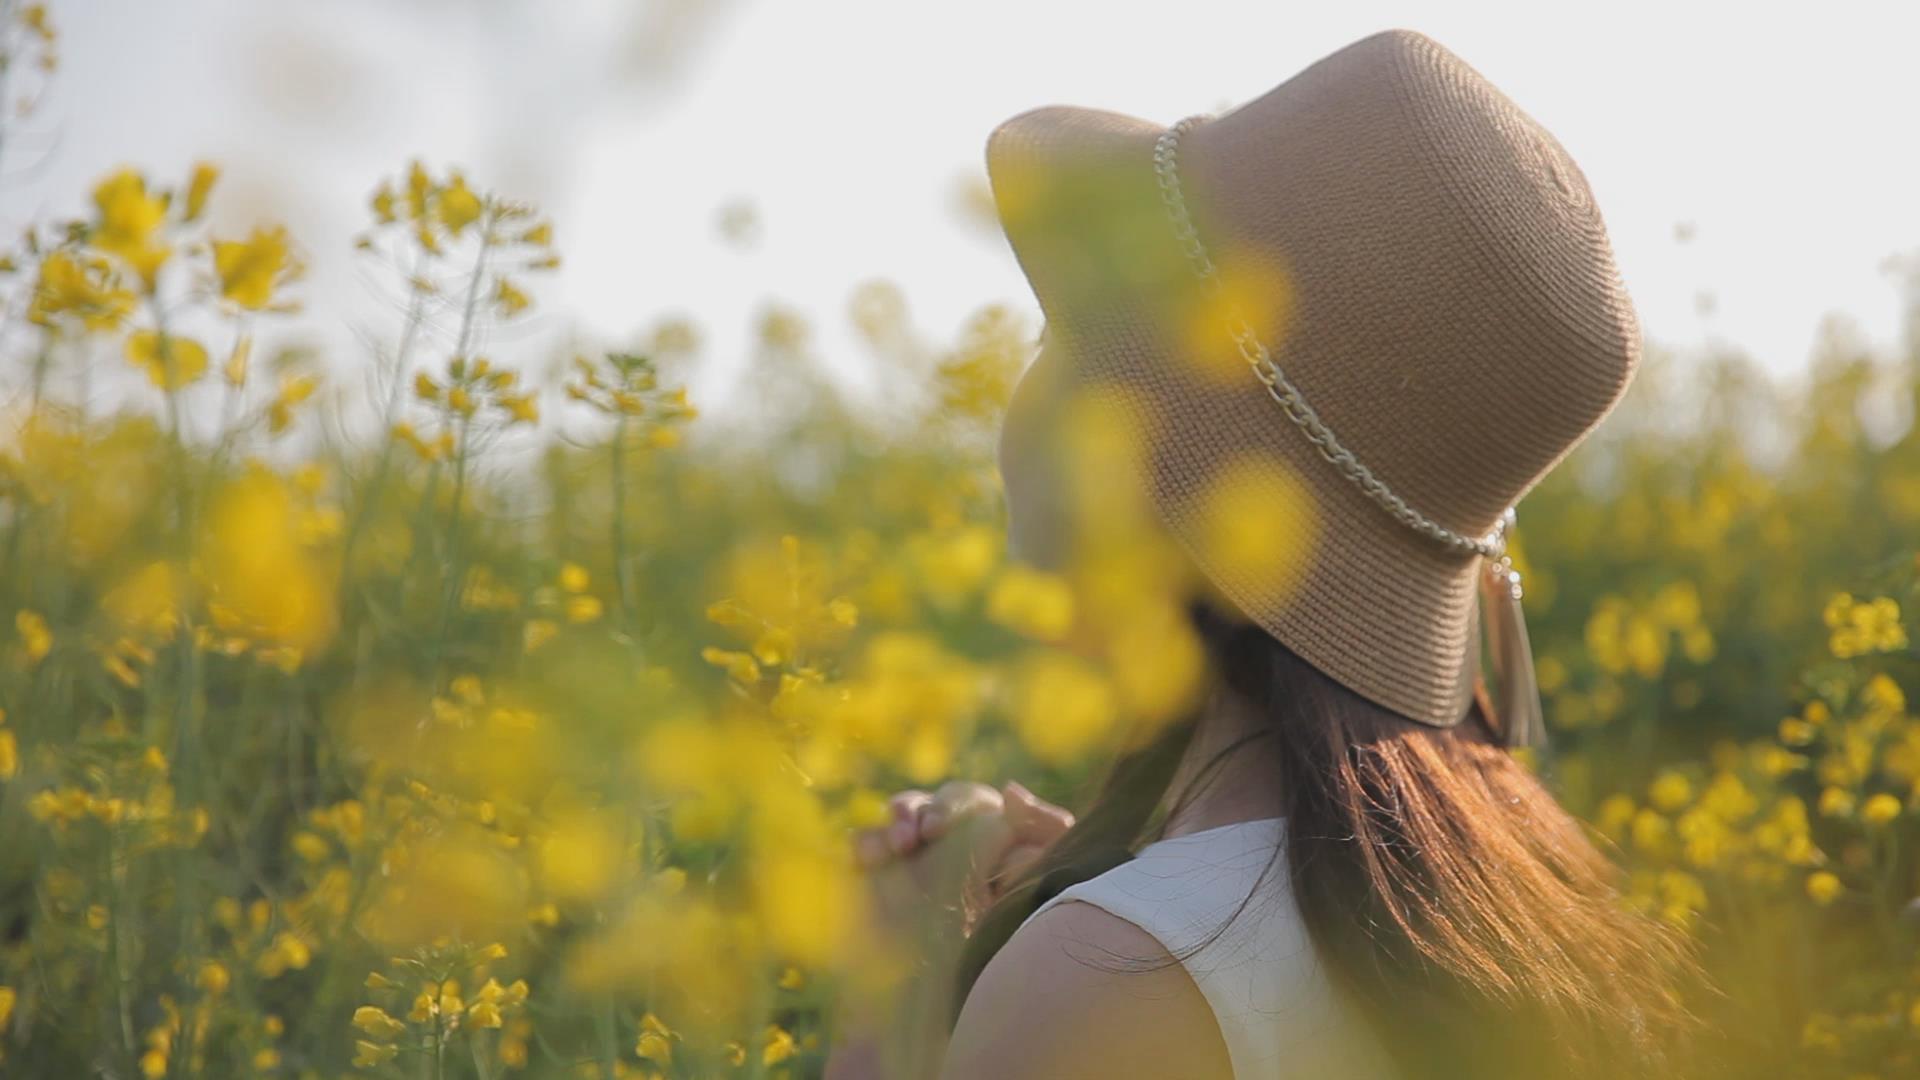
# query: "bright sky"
{"points": [[1782, 133]]}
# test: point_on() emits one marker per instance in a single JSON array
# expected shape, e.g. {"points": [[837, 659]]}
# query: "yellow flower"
{"points": [[153, 1064], [1032, 603], [777, 1045], [9, 755], [367, 1055], [288, 952], [509, 299], [1859, 628], [1670, 791], [459, 206], [1062, 707], [1836, 802], [293, 391], [1797, 732], [419, 190], [484, 1014], [199, 186], [311, 847], [656, 1041], [34, 18], [382, 204], [179, 364], [573, 577], [7, 998], [128, 216], [583, 609], [374, 1020], [537, 632], [235, 369], [523, 408], [579, 856], [250, 270], [1835, 613], [214, 977], [86, 289], [1880, 809], [1823, 887], [1259, 525]]}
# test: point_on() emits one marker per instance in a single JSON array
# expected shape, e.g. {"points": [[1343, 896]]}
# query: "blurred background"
{"points": [[457, 635], [714, 157]]}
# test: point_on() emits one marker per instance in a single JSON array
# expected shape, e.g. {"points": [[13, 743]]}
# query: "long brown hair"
{"points": [[1450, 895]]}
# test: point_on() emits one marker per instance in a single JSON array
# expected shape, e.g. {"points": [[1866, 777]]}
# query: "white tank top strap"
{"points": [[1277, 1011]]}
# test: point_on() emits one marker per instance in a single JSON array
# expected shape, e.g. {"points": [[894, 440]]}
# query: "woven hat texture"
{"points": [[1423, 260]]}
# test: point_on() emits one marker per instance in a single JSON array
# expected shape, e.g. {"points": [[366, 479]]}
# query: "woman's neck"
{"points": [[1243, 785]]}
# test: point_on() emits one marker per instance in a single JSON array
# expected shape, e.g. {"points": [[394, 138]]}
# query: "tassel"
{"points": [[1522, 721]]}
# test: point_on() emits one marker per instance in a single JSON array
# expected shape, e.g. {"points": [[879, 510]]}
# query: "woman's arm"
{"points": [[1078, 994]]}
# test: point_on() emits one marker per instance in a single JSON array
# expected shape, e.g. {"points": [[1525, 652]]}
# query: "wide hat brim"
{"points": [[1376, 606]]}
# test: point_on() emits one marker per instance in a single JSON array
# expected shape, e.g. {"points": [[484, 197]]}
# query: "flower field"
{"points": [[519, 730]]}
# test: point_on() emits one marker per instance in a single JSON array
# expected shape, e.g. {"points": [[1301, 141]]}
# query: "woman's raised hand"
{"points": [[941, 855], [1010, 827]]}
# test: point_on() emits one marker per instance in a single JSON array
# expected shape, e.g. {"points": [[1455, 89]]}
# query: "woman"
{"points": [[1333, 865]]}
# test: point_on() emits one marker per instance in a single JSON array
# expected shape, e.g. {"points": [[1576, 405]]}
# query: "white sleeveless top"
{"points": [[1277, 1012]]}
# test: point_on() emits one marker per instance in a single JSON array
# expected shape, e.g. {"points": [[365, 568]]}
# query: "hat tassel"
{"points": [[1521, 721]]}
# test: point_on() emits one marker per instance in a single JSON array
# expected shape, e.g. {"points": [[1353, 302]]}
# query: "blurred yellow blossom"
{"points": [[1031, 602], [170, 361], [129, 222], [1823, 887], [1062, 707], [1880, 809], [459, 205], [35, 639], [1858, 627], [81, 288], [251, 270]]}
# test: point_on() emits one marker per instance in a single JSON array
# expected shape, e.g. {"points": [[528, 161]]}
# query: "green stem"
{"points": [[450, 595], [370, 499], [609, 1040], [462, 444], [117, 943], [619, 527]]}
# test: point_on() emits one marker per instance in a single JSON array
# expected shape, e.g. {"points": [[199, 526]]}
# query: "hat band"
{"points": [[1292, 402]]}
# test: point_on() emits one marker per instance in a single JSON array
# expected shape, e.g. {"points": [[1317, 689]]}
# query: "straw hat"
{"points": [[1425, 269]]}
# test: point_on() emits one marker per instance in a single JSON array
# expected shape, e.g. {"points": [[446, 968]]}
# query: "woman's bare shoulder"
{"points": [[1079, 992]]}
